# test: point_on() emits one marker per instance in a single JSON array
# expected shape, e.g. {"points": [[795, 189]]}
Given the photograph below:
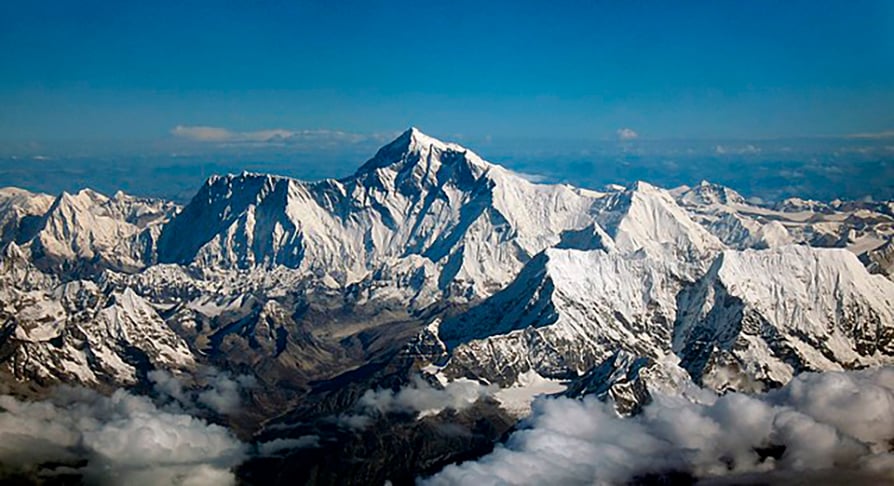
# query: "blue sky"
{"points": [[123, 71]]}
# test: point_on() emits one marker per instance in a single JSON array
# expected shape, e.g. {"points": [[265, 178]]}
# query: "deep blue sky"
{"points": [[120, 71]]}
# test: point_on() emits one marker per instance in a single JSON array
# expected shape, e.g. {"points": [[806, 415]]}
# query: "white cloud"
{"points": [[209, 134], [126, 439], [224, 393], [216, 390], [277, 445], [626, 134], [743, 150], [417, 397], [829, 425]]}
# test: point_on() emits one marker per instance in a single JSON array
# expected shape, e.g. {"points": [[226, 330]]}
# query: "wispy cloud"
{"points": [[418, 396], [748, 149], [872, 135], [210, 134], [203, 134]]}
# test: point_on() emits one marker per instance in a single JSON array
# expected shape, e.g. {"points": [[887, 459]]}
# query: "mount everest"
{"points": [[430, 260]]}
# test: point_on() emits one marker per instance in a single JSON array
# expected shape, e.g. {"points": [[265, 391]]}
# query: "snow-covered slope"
{"points": [[725, 213], [20, 212], [89, 231], [755, 319], [766, 315], [708, 194], [646, 218], [77, 333], [861, 227], [476, 222], [567, 311]]}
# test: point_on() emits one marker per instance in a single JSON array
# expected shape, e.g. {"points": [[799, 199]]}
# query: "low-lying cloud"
{"points": [[872, 135], [222, 392], [834, 426], [124, 439], [129, 439], [277, 446], [747, 149], [418, 397]]}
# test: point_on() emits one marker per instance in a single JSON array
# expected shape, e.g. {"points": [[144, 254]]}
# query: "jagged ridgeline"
{"points": [[430, 260]]}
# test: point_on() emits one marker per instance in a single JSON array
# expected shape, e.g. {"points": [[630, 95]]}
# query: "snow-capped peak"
{"points": [[476, 222], [414, 150], [707, 193], [647, 218]]}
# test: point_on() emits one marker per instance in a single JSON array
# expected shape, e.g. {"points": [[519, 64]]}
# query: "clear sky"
{"points": [[122, 70]]}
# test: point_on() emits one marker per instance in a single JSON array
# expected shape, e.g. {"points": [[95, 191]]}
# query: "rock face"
{"points": [[431, 260], [880, 259], [618, 378]]}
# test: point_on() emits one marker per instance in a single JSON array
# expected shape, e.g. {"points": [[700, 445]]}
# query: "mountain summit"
{"points": [[475, 222], [413, 147]]}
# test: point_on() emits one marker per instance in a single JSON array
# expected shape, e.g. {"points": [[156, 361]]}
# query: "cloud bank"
{"points": [[125, 439], [831, 426], [129, 439], [222, 392]]}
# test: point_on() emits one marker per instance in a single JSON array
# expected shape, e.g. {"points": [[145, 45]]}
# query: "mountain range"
{"points": [[430, 263]]}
